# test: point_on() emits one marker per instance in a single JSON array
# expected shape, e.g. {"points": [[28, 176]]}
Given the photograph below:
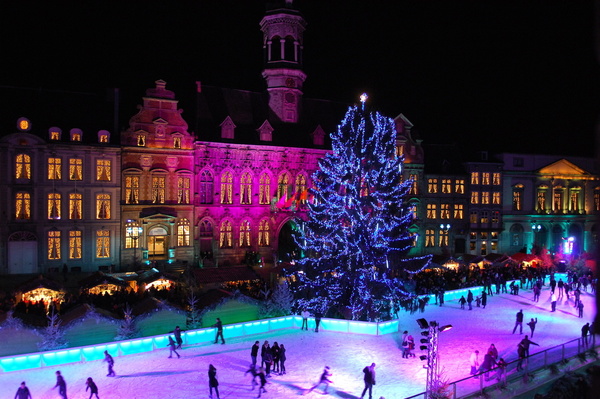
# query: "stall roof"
{"points": [[101, 278], [521, 257], [224, 274], [148, 276], [39, 282]]}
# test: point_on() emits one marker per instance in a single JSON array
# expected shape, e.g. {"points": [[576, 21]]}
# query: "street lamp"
{"points": [[430, 343], [134, 232]]}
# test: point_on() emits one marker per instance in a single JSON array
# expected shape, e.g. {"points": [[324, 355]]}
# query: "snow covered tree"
{"points": [[53, 335]]}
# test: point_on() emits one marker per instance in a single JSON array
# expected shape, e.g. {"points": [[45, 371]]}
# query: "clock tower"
{"points": [[283, 27]]}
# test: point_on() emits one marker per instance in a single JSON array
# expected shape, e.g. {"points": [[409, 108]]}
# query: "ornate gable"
{"points": [[564, 169]]}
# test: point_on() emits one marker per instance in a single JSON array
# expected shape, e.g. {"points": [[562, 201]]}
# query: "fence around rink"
{"points": [[190, 337]]}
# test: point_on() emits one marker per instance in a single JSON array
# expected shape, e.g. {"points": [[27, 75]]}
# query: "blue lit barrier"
{"points": [[134, 346], [21, 362], [388, 327], [61, 357]]}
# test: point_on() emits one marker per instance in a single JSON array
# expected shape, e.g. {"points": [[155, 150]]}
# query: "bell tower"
{"points": [[283, 27]]}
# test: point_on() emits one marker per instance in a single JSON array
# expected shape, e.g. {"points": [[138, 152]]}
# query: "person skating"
{"points": [[405, 345], [172, 348], [585, 330], [532, 324], [553, 301], [263, 351], [318, 316], [369, 379], [263, 381], [254, 372], [275, 353], [268, 359], [61, 384], [501, 374], [519, 322], [111, 362], [580, 309], [483, 299], [91, 385], [324, 379], [282, 359], [526, 342], [254, 352], [493, 351], [470, 299], [212, 380], [23, 392], [487, 364], [474, 362], [522, 354], [411, 346], [177, 333], [305, 316], [219, 326]]}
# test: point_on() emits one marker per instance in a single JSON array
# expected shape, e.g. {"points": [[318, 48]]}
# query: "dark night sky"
{"points": [[500, 75]]}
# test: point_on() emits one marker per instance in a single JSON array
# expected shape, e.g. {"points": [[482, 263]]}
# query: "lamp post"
{"points": [[134, 232], [430, 343]]}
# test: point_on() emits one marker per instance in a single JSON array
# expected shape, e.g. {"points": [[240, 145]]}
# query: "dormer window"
{"points": [[103, 136], [265, 132], [228, 129], [76, 134], [318, 136], [141, 140], [54, 133], [177, 142]]}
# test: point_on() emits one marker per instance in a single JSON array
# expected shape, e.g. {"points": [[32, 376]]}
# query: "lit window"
{"points": [[496, 218], [446, 186], [132, 234], [225, 235], [54, 206], [474, 177], [141, 140], [485, 197], [300, 187], [414, 210], [574, 199], [484, 217], [226, 188], [496, 197], [205, 228], [485, 178], [264, 189], [496, 179], [541, 199], [518, 197], [413, 187], [432, 186], [23, 166], [103, 138], [103, 206], [183, 233], [75, 206], [206, 187], [177, 142], [443, 238], [429, 238], [54, 168], [264, 236], [132, 189], [23, 206], [458, 211], [245, 233], [445, 211], [283, 186], [431, 211], [54, 135], [473, 217], [76, 134], [474, 197], [75, 244], [103, 169], [597, 199], [246, 189], [75, 169], [459, 186], [557, 204], [102, 244], [158, 189], [183, 190], [54, 245]]}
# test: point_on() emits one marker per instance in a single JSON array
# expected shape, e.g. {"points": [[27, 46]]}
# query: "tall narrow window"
{"points": [[183, 190], [496, 198], [431, 211], [443, 238], [597, 199], [429, 238], [474, 177], [158, 189], [75, 206], [432, 186], [414, 209], [141, 140], [75, 244], [54, 206], [445, 211], [132, 234], [496, 178], [225, 235], [541, 200], [574, 199], [484, 217], [459, 186], [226, 188], [473, 217], [102, 244], [413, 187], [485, 197], [177, 142], [264, 189], [75, 169], [458, 211], [103, 206], [246, 189], [183, 233], [485, 178], [54, 245], [557, 203], [283, 186], [23, 166], [474, 197], [495, 218], [132, 189], [23, 206], [446, 186], [245, 233], [103, 169], [54, 168], [300, 187], [264, 236], [206, 187], [517, 197]]}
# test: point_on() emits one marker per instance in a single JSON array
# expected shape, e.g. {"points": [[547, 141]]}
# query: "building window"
{"points": [[54, 168], [414, 210], [177, 142], [23, 166], [283, 186], [300, 187], [431, 211], [75, 169], [518, 162], [103, 206], [75, 244], [132, 234], [205, 228], [75, 206], [432, 186], [141, 140], [102, 244], [474, 197], [245, 233], [518, 197], [459, 186], [496, 218], [246, 189], [54, 245], [446, 186], [458, 211], [158, 189], [496, 181], [484, 217], [183, 233], [226, 188], [557, 204], [485, 178], [23, 206], [443, 238], [54, 206], [183, 190], [55, 134], [206, 187], [597, 199], [132, 189], [496, 198], [103, 170], [103, 137], [445, 211], [574, 199], [485, 197], [474, 177], [473, 217], [225, 236], [264, 189], [413, 187], [429, 238]]}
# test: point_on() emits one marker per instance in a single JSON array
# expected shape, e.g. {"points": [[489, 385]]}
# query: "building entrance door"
{"points": [[158, 243]]}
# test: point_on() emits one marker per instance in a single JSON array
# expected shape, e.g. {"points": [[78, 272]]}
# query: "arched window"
{"points": [[205, 228], [226, 188], [103, 206], [245, 233], [283, 186], [264, 189], [246, 189], [206, 187], [225, 235], [264, 233], [23, 166], [300, 186], [54, 206], [23, 206], [183, 233], [75, 244]]}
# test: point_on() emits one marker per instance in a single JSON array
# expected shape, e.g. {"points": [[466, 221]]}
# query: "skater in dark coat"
{"points": [[172, 348], [483, 299], [268, 361], [526, 342], [263, 381], [263, 350], [252, 370], [219, 326], [318, 316], [324, 379], [531, 325], [462, 302], [212, 380], [254, 352], [177, 333], [275, 353], [91, 385], [282, 359], [111, 362], [61, 384], [470, 299], [23, 392], [519, 321], [369, 379]]}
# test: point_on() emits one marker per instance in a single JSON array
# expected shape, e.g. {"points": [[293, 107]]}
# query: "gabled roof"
{"points": [[564, 168], [101, 278], [39, 282], [148, 276]]}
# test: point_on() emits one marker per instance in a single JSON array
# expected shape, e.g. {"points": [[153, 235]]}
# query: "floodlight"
{"points": [[423, 323], [423, 357], [445, 328]]}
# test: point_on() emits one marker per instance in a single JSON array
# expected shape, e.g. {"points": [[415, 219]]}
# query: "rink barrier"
{"points": [[192, 337]]}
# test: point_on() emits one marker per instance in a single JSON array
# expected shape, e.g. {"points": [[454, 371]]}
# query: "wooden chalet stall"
{"points": [[230, 278], [100, 283], [527, 260], [40, 290], [154, 279]]}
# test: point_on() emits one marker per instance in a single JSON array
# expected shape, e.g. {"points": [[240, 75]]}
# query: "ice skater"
{"points": [[263, 351], [519, 322], [474, 362], [580, 309], [212, 380], [526, 342], [91, 385], [219, 326], [531, 325], [23, 392], [470, 299], [254, 352], [585, 330], [318, 316], [252, 370], [324, 379], [263, 382], [61, 384], [172, 348], [111, 362], [282, 359], [553, 301], [369, 379], [275, 353], [177, 333], [304, 315], [462, 302]]}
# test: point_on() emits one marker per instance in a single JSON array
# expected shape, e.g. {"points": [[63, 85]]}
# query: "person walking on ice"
{"points": [[61, 384], [111, 362], [324, 379], [519, 322], [369, 379], [212, 380], [91, 385], [23, 392], [172, 348], [219, 326]]}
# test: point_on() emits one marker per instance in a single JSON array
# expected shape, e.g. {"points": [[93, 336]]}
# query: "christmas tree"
{"points": [[358, 222]]}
